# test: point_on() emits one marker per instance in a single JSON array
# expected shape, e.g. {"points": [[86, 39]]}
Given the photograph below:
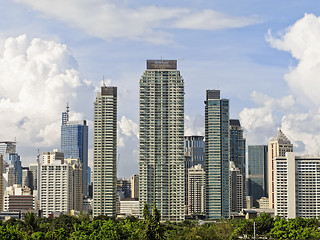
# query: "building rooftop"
{"points": [[281, 138]]}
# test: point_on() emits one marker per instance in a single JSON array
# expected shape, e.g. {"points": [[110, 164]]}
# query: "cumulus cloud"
{"points": [[109, 19], [299, 113], [193, 125], [302, 41], [38, 78]]}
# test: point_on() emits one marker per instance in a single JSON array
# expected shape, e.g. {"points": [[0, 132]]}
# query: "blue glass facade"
{"points": [[217, 154], [74, 144], [14, 160], [258, 172]]}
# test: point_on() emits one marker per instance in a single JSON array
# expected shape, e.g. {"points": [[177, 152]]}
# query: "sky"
{"points": [[263, 55]]}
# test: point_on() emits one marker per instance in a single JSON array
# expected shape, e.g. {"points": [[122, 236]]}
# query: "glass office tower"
{"points": [[74, 144], [217, 155]]}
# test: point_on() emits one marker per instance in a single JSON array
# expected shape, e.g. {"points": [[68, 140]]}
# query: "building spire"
{"points": [[103, 83], [67, 111]]}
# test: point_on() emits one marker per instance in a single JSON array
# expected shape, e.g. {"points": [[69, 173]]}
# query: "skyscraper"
{"points": [[277, 147], [105, 152], [194, 155], [74, 144], [238, 157], [161, 141], [217, 155], [257, 172]]}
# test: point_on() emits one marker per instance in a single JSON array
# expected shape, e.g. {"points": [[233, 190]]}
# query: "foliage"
{"points": [[82, 228]]}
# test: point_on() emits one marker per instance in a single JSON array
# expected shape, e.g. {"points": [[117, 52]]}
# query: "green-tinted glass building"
{"points": [[105, 152], [161, 141], [217, 155], [258, 172]]}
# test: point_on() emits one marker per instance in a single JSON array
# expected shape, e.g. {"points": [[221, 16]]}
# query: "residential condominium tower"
{"points": [[161, 141], [277, 147], [217, 155], [74, 144], [105, 152], [297, 186]]}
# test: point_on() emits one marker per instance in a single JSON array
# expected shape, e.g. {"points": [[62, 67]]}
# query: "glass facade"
{"points": [[257, 172], [238, 157], [74, 144], [217, 155]]}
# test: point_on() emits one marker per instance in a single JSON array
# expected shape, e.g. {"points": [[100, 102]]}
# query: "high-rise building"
{"points": [[196, 190], [257, 172], [56, 184], [194, 155], [27, 178], [124, 188], [105, 152], [74, 144], [278, 146], [238, 157], [7, 147], [161, 141], [1, 182], [217, 155], [77, 196], [236, 189], [194, 148], [297, 186], [135, 186]]}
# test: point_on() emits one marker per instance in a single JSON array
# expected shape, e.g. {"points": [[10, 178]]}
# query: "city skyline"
{"points": [[248, 52]]}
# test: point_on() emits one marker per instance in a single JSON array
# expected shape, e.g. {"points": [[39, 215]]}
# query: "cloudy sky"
{"points": [[263, 55]]}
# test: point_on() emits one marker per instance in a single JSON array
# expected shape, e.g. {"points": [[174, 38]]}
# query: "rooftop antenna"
{"points": [[103, 83], [67, 111], [38, 156]]}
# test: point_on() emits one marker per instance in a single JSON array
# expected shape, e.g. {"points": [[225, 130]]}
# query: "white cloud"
{"points": [[298, 113], [212, 20], [108, 19], [128, 127], [38, 78], [193, 125], [302, 41]]}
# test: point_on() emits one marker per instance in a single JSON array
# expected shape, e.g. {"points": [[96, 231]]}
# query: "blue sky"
{"points": [[261, 55]]}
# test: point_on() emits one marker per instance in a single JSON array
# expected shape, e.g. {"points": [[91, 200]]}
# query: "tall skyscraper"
{"points": [[238, 157], [217, 155], [74, 144], [277, 147], [257, 172], [161, 141], [105, 153]]}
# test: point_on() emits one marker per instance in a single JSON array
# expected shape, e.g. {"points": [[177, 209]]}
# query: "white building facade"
{"points": [[56, 184], [297, 186]]}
